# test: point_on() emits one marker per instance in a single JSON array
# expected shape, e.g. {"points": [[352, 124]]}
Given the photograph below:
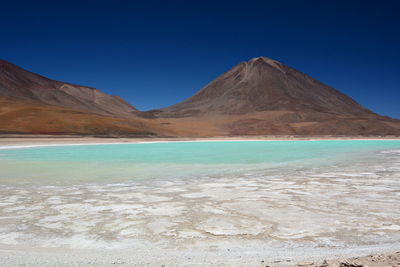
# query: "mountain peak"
{"points": [[263, 84], [260, 61], [265, 59]]}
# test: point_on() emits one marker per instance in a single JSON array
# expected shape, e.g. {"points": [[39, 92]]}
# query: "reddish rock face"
{"points": [[263, 84], [19, 83]]}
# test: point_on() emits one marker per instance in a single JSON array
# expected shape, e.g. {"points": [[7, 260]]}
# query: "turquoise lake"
{"points": [[122, 162], [260, 197]]}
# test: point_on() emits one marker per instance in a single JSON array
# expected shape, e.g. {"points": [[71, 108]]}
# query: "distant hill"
{"points": [[22, 84], [258, 97]]}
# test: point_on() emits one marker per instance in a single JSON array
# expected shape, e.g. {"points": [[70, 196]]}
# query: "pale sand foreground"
{"points": [[379, 260], [59, 257]]}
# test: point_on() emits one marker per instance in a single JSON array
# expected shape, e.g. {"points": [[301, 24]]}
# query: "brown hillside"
{"points": [[20, 116], [19, 83]]}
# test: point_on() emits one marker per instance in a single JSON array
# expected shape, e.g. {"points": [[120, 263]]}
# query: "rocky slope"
{"points": [[29, 117], [263, 84], [19, 83], [263, 96]]}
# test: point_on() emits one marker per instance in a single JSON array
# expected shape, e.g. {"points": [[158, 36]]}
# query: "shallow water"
{"points": [[209, 195], [69, 165]]}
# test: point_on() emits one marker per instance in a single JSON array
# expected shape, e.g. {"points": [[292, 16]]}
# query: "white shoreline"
{"points": [[82, 143]]}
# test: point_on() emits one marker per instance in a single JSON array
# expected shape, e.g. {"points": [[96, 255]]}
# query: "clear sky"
{"points": [[157, 53]]}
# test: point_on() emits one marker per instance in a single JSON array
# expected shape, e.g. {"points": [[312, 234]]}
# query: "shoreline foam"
{"points": [[29, 142]]}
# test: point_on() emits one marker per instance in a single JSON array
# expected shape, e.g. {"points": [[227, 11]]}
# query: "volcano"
{"points": [[263, 96], [263, 84]]}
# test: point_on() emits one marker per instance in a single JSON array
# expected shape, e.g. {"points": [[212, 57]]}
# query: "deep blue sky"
{"points": [[157, 53]]}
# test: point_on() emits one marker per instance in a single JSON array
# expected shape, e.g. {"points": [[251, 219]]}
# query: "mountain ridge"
{"points": [[20, 83], [257, 97]]}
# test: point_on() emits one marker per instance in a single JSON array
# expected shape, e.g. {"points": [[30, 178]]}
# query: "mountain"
{"points": [[263, 84], [263, 96], [258, 97], [30, 103], [19, 83]]}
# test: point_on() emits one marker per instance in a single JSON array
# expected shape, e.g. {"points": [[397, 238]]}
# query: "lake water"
{"points": [[208, 196]]}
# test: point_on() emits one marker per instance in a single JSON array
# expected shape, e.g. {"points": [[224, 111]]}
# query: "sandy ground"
{"points": [[381, 260], [95, 258], [23, 257]]}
